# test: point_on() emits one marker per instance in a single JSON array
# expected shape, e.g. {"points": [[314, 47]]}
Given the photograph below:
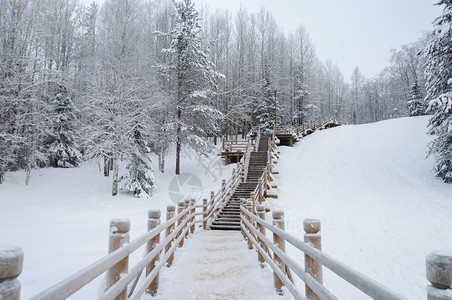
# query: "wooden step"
{"points": [[225, 227]]}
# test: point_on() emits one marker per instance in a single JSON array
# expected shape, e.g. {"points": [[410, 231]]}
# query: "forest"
{"points": [[117, 82]]}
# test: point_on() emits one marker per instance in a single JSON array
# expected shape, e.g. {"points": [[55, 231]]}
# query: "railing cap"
{"points": [[311, 225], [154, 214], [278, 214], [439, 269], [119, 225], [260, 208], [11, 260], [171, 208]]}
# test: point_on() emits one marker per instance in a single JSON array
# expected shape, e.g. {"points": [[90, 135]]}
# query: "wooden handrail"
{"points": [[370, 287]]}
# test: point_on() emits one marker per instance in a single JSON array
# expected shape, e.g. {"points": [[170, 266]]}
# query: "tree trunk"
{"points": [[106, 166], [114, 191], [178, 142], [162, 160], [1, 177]]}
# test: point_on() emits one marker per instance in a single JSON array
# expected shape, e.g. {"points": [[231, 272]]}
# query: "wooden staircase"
{"points": [[229, 216]]}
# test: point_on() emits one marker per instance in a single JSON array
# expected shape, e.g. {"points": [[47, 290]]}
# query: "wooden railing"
{"points": [[273, 253], [122, 283], [219, 199], [250, 147], [234, 146], [309, 127]]}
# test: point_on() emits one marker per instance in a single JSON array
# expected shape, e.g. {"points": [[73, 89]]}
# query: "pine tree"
{"points": [[140, 179], [265, 112], [196, 79], [439, 90], [63, 149], [416, 105]]}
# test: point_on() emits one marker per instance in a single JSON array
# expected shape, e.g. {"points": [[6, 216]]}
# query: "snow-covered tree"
{"points": [[416, 105], [140, 178], [439, 90], [194, 72], [265, 111], [63, 144]]}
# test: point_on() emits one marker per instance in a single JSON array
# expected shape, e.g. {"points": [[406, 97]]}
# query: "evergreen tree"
{"points": [[265, 112], [439, 90], [416, 105], [63, 149], [140, 178], [196, 79]]}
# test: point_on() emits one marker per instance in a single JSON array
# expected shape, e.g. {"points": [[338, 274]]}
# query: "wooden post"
{"points": [[187, 205], [261, 214], [243, 205], [259, 190], [253, 200], [180, 209], [119, 235], [11, 261], [170, 213], [223, 186], [153, 222], [278, 221], [439, 273], [314, 238], [204, 211], [249, 207], [193, 210]]}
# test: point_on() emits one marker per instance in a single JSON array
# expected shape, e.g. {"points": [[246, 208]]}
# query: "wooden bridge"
{"points": [[234, 150], [234, 214]]}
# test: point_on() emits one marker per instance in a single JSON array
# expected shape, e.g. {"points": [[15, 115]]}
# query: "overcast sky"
{"points": [[350, 32]]}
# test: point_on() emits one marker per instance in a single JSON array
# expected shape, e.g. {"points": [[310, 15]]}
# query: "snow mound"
{"points": [[381, 207]]}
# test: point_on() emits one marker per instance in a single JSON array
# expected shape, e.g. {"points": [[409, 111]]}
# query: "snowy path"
{"points": [[216, 265]]}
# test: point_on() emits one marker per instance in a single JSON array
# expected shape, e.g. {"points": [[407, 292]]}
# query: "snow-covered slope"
{"points": [[382, 209]]}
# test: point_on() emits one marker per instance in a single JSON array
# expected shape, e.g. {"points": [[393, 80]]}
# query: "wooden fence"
{"points": [[272, 252]]}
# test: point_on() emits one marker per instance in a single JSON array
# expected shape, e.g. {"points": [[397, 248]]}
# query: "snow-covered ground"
{"points": [[61, 219], [382, 210]]}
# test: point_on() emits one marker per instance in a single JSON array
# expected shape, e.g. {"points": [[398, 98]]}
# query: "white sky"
{"points": [[350, 32]]}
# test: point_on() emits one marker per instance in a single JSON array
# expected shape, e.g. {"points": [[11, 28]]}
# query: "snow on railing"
{"points": [[273, 252]]}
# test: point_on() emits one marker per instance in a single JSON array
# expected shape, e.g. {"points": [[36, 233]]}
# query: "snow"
{"points": [[372, 187], [216, 265], [61, 219], [375, 192]]}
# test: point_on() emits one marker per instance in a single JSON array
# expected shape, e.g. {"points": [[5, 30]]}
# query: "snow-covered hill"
{"points": [[382, 209]]}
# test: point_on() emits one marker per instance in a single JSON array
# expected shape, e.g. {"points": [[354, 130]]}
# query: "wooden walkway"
{"points": [[229, 216], [216, 265]]}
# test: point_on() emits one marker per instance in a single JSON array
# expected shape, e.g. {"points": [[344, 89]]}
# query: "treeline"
{"points": [[132, 77]]}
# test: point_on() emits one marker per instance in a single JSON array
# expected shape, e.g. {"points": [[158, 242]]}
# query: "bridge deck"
{"points": [[216, 265]]}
